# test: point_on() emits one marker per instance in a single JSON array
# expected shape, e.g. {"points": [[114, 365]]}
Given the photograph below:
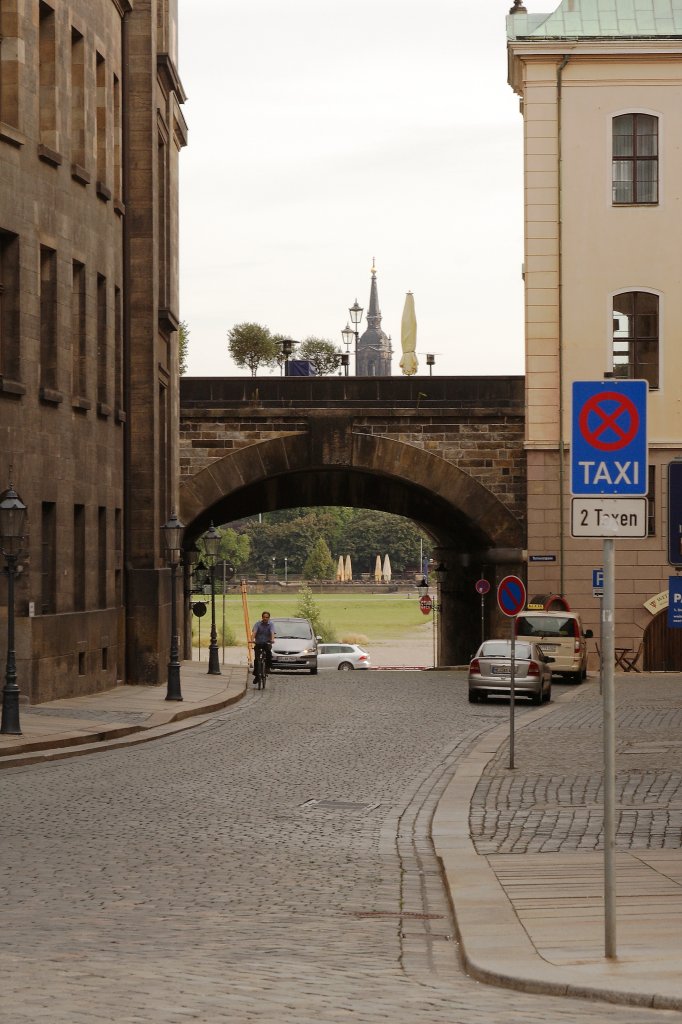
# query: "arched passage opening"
{"points": [[472, 529]]}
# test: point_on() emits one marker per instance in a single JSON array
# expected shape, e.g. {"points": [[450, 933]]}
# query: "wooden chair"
{"points": [[628, 659]]}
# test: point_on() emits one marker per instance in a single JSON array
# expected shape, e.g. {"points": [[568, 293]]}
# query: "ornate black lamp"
{"points": [[356, 319], [348, 335], [172, 532], [212, 547], [12, 520]]}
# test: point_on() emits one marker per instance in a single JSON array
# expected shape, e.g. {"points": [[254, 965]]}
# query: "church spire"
{"points": [[374, 347]]}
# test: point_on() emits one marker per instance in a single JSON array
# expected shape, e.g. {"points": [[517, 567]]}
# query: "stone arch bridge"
{"points": [[445, 452]]}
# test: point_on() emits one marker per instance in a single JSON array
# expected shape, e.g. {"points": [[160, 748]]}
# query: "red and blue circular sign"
{"points": [[482, 587], [609, 438], [511, 595]]}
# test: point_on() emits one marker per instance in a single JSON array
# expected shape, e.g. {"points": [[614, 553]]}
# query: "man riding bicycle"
{"points": [[263, 635]]}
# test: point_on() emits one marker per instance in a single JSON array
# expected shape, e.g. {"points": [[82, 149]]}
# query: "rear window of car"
{"points": [[546, 625], [502, 649]]}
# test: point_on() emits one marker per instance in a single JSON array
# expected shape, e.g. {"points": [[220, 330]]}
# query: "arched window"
{"points": [[635, 336], [635, 159]]}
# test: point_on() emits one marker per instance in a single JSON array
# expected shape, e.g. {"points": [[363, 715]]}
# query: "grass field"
{"points": [[374, 616]]}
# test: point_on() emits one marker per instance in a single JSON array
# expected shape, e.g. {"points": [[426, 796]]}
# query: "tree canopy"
{"points": [[325, 356], [252, 346]]}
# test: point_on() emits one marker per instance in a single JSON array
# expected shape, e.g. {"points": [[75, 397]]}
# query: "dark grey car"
{"points": [[490, 671]]}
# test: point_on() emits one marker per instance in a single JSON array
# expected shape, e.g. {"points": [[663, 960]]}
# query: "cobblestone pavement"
{"points": [[272, 865], [536, 811]]}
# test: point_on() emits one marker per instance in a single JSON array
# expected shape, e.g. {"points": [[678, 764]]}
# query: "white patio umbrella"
{"points": [[408, 337], [340, 572], [387, 569], [377, 570], [349, 570]]}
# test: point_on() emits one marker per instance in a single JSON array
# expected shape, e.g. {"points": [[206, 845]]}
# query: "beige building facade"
{"points": [[600, 87], [90, 133]]}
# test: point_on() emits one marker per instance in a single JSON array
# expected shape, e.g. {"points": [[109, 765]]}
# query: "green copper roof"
{"points": [[595, 19]]}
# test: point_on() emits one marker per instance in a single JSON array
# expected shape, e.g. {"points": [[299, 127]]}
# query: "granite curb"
{"points": [[63, 740], [495, 946]]}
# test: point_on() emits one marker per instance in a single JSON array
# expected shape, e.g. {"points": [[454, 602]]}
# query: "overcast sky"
{"points": [[326, 133]]}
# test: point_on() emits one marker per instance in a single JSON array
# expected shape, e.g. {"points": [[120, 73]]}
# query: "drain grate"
{"points": [[338, 805], [396, 913]]}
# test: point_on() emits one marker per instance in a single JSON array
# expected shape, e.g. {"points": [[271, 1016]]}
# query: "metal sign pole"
{"points": [[482, 618], [223, 611], [512, 692], [609, 749]]}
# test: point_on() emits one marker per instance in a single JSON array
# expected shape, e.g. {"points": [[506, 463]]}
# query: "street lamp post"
{"points": [[286, 570], [347, 334], [430, 360], [345, 359], [212, 545], [12, 519], [356, 319], [273, 568], [173, 530], [287, 349]]}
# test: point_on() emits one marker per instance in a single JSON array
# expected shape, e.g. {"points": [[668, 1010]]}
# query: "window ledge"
{"points": [[168, 319], [11, 135], [121, 416], [80, 175], [49, 156], [103, 410], [81, 404], [119, 207], [103, 192], [11, 387], [51, 396]]}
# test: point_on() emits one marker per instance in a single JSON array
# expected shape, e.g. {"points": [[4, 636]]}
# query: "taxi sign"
{"points": [[609, 438]]}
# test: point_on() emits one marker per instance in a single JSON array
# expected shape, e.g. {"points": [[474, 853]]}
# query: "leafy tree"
{"points": [[307, 608], [235, 548], [325, 356], [252, 346], [319, 564], [183, 345]]}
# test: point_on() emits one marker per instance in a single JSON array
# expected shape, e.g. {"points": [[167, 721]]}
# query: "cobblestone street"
{"points": [[271, 865]]}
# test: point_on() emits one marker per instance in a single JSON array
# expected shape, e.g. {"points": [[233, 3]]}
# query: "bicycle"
{"points": [[260, 665]]}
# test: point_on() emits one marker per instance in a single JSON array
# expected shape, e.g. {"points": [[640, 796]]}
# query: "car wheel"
{"points": [[473, 698], [346, 666], [536, 698], [313, 671], [548, 695]]}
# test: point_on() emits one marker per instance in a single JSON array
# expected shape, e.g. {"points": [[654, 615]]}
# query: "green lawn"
{"points": [[374, 616]]}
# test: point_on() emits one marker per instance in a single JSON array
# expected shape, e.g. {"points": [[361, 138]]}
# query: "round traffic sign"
{"points": [[511, 595], [426, 604], [482, 586], [609, 421], [199, 609]]}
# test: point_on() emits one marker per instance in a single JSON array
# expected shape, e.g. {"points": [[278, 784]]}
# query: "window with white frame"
{"points": [[635, 160], [635, 336]]}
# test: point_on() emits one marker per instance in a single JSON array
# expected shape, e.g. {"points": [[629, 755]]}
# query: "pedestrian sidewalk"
{"points": [[523, 860], [119, 717]]}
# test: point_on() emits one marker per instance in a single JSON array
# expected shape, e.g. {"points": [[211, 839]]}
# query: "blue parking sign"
{"points": [[609, 438], [675, 602]]}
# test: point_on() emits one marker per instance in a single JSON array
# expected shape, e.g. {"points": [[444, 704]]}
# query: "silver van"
{"points": [[295, 646], [559, 635]]}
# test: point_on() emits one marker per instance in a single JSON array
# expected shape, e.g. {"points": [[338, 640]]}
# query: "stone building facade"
{"points": [[600, 88], [90, 132]]}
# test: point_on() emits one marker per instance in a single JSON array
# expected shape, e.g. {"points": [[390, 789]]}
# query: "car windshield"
{"points": [[502, 649], [545, 625], [291, 630]]}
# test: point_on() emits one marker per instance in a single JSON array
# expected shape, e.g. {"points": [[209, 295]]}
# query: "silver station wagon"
{"points": [[490, 671]]}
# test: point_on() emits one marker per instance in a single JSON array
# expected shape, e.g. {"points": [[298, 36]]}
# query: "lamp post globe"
{"points": [[212, 547], [173, 530], [12, 520]]}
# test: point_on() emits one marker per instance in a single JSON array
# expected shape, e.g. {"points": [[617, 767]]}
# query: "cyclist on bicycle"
{"points": [[263, 635]]}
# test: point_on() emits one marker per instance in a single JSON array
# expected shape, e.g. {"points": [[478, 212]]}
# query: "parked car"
{"points": [[490, 671], [344, 657], [295, 646], [560, 635]]}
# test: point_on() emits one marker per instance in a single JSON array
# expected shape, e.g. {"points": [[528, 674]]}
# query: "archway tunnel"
{"points": [[473, 532]]}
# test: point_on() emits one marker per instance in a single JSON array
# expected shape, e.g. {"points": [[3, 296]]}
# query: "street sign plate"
{"points": [[675, 513], [482, 587], [608, 517], [511, 595], [609, 439], [426, 604]]}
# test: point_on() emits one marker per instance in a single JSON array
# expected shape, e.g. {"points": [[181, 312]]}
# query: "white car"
{"points": [[344, 657]]}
